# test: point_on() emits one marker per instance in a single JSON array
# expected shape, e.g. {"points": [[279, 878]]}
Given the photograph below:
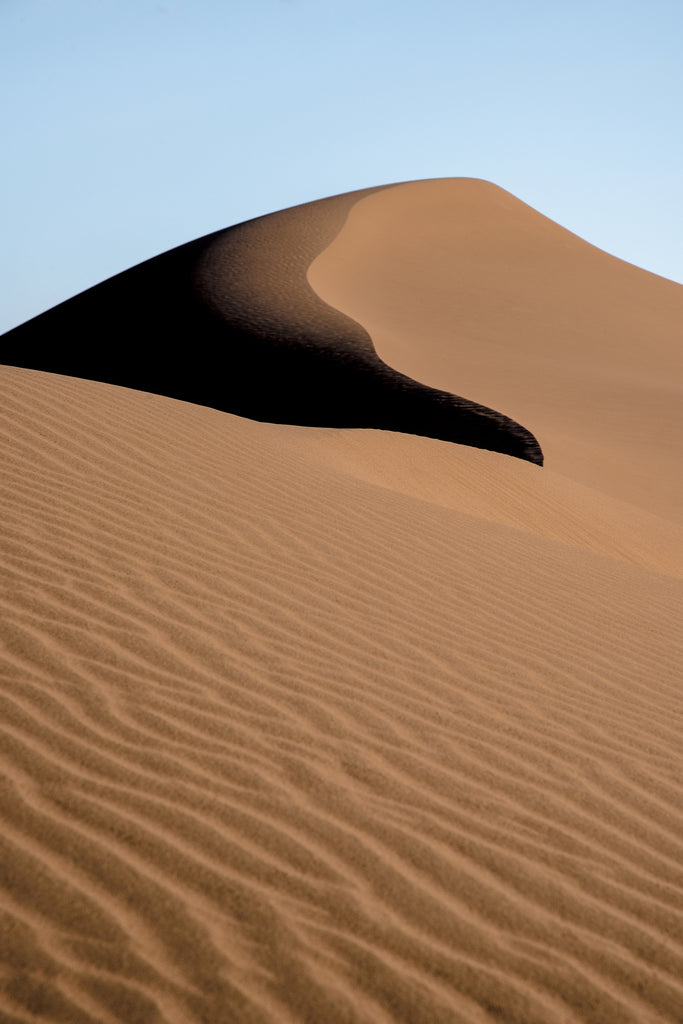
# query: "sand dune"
{"points": [[263, 343], [586, 348], [310, 723]]}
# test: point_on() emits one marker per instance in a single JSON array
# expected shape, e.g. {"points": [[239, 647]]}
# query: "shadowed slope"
{"points": [[230, 321]]}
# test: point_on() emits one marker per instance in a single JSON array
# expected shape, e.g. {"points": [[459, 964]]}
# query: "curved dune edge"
{"points": [[231, 322], [283, 745], [489, 486], [457, 280]]}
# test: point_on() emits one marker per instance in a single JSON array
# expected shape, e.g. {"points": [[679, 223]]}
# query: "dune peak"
{"points": [[243, 331]]}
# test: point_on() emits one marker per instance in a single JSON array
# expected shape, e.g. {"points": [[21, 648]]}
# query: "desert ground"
{"points": [[342, 660]]}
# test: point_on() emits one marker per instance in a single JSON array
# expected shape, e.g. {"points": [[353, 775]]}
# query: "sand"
{"points": [[264, 344], [454, 279], [308, 723]]}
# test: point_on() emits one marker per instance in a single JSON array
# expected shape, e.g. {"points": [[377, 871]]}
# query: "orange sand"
{"points": [[464, 287], [305, 724]]}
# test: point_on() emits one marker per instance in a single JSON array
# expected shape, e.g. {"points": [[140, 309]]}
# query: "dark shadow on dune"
{"points": [[229, 321]]}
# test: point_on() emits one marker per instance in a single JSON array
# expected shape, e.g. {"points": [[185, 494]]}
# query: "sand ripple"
{"points": [[283, 744]]}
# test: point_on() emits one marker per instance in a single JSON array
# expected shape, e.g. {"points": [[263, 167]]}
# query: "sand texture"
{"points": [[321, 723], [264, 344]]}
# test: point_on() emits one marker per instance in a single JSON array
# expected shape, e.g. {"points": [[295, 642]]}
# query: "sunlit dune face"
{"points": [[310, 721], [463, 287]]}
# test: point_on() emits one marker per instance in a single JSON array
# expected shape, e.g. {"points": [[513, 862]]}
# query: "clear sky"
{"points": [[131, 126]]}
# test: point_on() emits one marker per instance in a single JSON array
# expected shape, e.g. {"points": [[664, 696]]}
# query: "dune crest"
{"points": [[230, 321], [456, 280], [301, 723]]}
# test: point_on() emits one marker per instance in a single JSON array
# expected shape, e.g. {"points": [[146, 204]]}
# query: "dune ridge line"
{"points": [[305, 723], [230, 321]]}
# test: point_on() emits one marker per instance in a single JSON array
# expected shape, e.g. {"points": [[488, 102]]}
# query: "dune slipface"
{"points": [[312, 724], [230, 321], [524, 316]]}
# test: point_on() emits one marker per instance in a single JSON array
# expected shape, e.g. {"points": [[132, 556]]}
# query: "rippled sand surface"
{"points": [[317, 724]]}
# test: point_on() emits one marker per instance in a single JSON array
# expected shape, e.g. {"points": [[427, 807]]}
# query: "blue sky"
{"points": [[131, 126]]}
